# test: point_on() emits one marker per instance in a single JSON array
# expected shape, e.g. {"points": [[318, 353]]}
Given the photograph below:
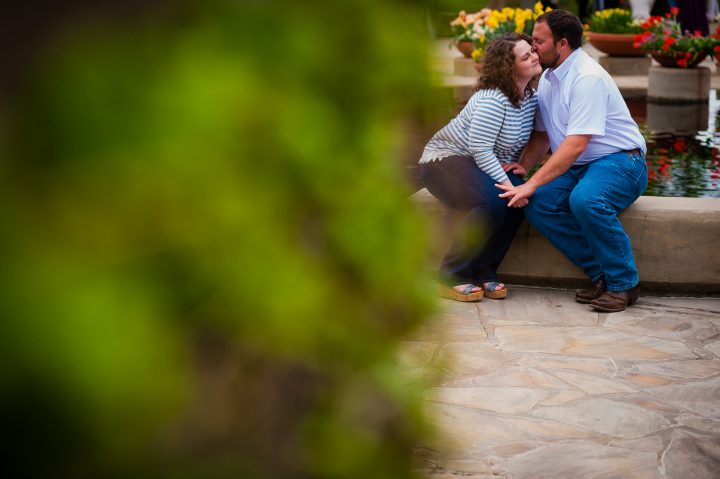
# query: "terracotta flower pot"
{"points": [[466, 48], [670, 61], [615, 44], [478, 66]]}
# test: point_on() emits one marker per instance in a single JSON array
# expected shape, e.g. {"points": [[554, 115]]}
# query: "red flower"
{"points": [[652, 176], [669, 41], [682, 63], [639, 37], [715, 175], [717, 48], [679, 145], [674, 10], [667, 15]]}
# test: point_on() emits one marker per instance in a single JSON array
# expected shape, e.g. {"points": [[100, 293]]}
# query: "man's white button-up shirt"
{"points": [[580, 98]]}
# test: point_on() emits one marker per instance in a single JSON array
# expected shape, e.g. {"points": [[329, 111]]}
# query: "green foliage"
{"points": [[614, 20], [208, 253]]}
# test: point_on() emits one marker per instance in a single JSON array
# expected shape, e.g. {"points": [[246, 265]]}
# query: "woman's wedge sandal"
{"points": [[493, 292], [445, 291]]}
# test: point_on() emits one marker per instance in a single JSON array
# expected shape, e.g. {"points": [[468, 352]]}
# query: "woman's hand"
{"points": [[517, 195], [514, 167], [507, 186]]}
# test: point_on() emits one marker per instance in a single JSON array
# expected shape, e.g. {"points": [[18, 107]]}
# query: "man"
{"points": [[596, 170]]}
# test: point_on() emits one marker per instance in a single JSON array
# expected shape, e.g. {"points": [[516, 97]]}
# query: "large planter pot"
{"points": [[615, 44], [670, 61], [466, 48]]}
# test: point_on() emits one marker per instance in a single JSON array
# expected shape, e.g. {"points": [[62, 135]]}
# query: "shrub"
{"points": [[208, 253]]}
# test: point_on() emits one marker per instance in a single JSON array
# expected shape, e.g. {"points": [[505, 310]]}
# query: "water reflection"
{"points": [[683, 144]]}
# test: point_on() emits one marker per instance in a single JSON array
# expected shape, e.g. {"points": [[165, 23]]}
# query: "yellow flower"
{"points": [[477, 53], [520, 26], [538, 8], [492, 22]]}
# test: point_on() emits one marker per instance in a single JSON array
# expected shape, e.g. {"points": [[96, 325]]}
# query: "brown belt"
{"points": [[634, 151]]}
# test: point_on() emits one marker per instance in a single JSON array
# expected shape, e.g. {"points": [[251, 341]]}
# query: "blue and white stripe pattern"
{"points": [[489, 128]]}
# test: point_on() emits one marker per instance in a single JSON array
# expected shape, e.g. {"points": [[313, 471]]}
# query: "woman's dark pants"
{"points": [[488, 228]]}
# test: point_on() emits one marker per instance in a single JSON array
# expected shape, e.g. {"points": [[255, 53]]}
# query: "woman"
{"points": [[479, 148]]}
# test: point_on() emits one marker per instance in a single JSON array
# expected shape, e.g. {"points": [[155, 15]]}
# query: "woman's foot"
{"points": [[494, 290], [461, 288], [461, 292]]}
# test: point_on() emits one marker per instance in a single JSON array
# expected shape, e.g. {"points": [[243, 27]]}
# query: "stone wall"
{"points": [[676, 242]]}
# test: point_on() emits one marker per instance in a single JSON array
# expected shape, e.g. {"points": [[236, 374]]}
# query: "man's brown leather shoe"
{"points": [[614, 301], [585, 296]]}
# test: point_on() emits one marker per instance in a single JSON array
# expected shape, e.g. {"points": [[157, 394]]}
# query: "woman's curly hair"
{"points": [[499, 68]]}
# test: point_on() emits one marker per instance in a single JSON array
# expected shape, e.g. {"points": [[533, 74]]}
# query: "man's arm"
{"points": [[568, 151]]}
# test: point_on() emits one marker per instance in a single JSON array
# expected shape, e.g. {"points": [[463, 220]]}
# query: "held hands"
{"points": [[517, 195], [514, 167]]}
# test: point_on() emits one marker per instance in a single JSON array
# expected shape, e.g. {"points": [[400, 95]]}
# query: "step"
{"points": [[675, 242]]}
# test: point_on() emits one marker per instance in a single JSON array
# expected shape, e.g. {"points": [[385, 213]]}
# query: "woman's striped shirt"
{"points": [[489, 128]]}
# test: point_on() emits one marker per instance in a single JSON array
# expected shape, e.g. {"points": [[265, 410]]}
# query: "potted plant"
{"points": [[463, 28], [612, 31], [489, 24], [669, 46], [716, 48]]}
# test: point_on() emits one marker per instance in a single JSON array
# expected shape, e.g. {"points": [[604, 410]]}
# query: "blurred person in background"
{"points": [[478, 148]]}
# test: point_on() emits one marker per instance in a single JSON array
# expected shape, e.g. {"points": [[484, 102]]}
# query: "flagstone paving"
{"points": [[539, 386]]}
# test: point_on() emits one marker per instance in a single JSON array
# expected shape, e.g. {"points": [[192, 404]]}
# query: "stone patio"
{"points": [[539, 386]]}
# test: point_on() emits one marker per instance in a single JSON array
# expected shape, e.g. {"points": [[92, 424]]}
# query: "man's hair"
{"points": [[563, 24]]}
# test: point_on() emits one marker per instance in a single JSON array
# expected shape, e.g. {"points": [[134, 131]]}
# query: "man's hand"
{"points": [[517, 195], [514, 167]]}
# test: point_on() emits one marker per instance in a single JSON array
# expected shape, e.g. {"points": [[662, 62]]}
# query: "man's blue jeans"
{"points": [[578, 212]]}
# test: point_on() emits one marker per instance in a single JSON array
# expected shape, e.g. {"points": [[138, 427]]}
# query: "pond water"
{"points": [[683, 154]]}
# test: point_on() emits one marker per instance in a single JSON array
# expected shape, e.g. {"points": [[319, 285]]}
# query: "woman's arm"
{"points": [[535, 150], [486, 121]]}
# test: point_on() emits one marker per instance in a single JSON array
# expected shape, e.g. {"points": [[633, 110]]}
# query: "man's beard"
{"points": [[552, 63]]}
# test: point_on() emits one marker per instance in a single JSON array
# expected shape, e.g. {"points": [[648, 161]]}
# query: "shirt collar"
{"points": [[564, 67]]}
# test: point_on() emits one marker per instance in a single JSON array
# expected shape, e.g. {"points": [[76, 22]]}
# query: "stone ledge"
{"points": [[675, 242]]}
